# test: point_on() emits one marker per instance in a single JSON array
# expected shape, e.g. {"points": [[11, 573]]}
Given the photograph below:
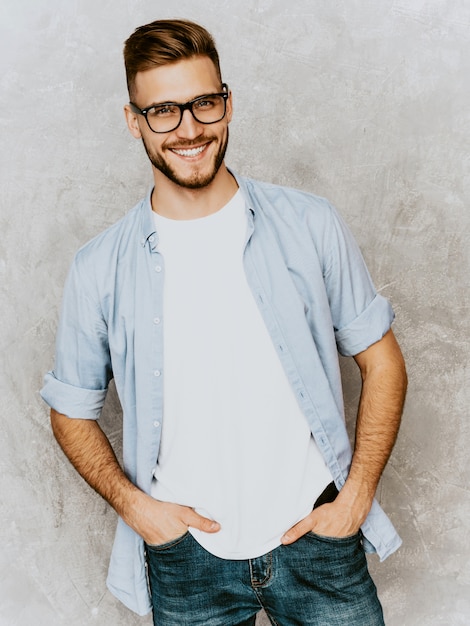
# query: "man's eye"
{"points": [[163, 111], [206, 103]]}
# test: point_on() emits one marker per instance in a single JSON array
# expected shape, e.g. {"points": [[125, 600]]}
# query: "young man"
{"points": [[219, 304]]}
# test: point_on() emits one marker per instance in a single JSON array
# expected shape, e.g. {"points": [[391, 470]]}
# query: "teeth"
{"points": [[190, 153]]}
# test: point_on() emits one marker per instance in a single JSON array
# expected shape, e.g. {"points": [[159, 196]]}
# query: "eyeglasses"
{"points": [[165, 117]]}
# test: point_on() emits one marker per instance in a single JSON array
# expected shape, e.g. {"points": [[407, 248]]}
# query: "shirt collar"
{"points": [[149, 233]]}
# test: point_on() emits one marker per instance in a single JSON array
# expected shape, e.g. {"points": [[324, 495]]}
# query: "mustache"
{"points": [[189, 143]]}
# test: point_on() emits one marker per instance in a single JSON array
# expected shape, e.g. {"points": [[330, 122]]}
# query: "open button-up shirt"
{"points": [[315, 295]]}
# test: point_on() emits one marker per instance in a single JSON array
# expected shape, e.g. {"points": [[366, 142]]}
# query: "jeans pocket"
{"points": [[160, 547]]}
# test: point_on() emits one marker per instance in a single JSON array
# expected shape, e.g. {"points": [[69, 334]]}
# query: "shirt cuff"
{"points": [[72, 401], [366, 329]]}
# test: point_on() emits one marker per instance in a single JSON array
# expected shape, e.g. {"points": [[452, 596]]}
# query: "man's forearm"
{"points": [[380, 409], [89, 451]]}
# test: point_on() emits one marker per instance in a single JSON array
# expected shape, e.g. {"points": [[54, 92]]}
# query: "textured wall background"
{"points": [[363, 101]]}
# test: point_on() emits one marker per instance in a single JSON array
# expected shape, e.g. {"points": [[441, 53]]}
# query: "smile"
{"points": [[190, 152]]}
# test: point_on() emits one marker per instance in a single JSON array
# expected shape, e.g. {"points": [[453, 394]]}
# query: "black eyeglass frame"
{"points": [[183, 107]]}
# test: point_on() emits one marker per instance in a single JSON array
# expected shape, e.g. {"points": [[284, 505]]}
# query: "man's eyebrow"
{"points": [[159, 104]]}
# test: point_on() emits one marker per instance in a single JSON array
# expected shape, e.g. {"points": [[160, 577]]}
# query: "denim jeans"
{"points": [[317, 581]]}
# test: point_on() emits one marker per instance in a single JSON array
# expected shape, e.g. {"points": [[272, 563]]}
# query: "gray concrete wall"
{"points": [[363, 101]]}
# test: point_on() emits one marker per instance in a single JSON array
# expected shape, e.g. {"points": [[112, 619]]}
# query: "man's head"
{"points": [[170, 66], [166, 41]]}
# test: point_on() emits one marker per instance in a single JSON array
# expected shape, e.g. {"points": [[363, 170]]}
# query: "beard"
{"points": [[197, 180]]}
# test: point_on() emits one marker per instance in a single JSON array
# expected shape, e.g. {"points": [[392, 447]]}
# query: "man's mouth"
{"points": [[189, 152]]}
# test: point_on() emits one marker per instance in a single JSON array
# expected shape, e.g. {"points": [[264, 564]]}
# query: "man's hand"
{"points": [[159, 522], [341, 518]]}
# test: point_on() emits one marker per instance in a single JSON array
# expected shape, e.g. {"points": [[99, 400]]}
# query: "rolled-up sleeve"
{"points": [[368, 328], [78, 383], [72, 401]]}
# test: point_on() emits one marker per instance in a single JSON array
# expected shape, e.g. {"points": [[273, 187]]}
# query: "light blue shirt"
{"points": [[315, 295]]}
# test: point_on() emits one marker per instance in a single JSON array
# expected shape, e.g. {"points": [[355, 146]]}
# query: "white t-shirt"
{"points": [[235, 445]]}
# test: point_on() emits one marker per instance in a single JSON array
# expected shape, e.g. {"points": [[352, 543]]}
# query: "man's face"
{"points": [[190, 156]]}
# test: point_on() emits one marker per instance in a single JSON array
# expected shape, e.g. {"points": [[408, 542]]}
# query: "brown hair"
{"points": [[166, 41]]}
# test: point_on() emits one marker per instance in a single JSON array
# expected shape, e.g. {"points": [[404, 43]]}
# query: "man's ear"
{"points": [[132, 122], [229, 112]]}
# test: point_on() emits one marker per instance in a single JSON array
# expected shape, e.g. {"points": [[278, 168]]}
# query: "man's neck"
{"points": [[179, 203]]}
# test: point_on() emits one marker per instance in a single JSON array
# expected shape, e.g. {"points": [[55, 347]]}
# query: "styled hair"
{"points": [[166, 41]]}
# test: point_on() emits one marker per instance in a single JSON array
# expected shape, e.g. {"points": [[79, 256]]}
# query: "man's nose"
{"points": [[189, 128]]}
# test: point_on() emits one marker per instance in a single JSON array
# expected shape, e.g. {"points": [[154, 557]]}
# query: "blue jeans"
{"points": [[316, 580]]}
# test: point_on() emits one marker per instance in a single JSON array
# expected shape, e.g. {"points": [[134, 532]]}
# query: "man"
{"points": [[218, 304]]}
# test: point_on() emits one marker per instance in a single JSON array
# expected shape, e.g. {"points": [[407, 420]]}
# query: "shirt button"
{"points": [[156, 320], [156, 424], [157, 373], [158, 268], [151, 238]]}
